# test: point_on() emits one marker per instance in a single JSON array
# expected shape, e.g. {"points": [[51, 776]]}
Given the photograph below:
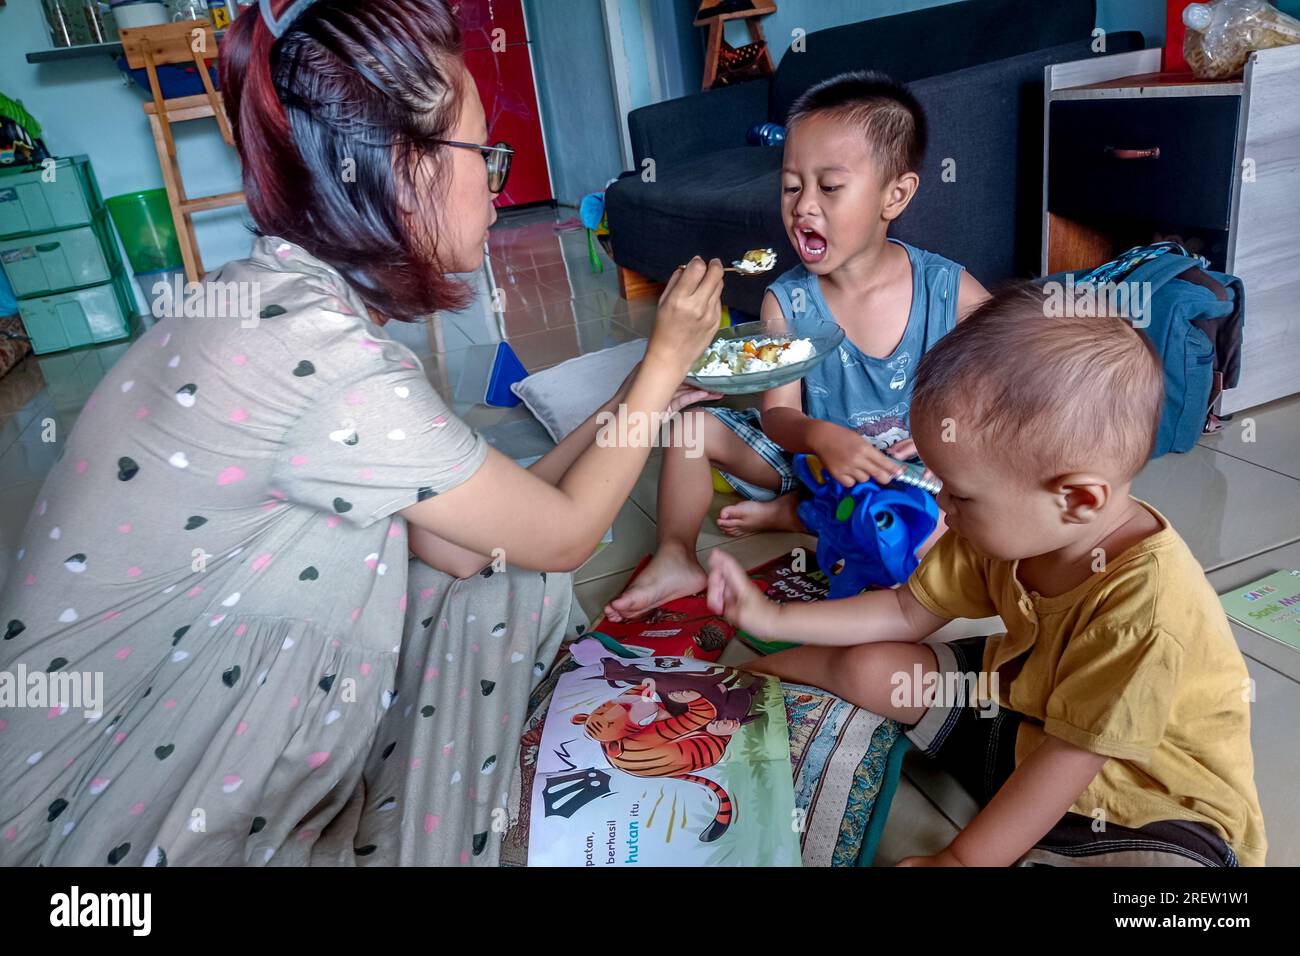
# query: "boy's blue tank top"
{"points": [[872, 395]]}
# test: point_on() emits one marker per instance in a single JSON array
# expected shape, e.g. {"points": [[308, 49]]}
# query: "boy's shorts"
{"points": [[748, 424], [980, 751]]}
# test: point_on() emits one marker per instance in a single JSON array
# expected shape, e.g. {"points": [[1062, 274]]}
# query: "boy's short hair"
{"points": [[1051, 395], [884, 110]]}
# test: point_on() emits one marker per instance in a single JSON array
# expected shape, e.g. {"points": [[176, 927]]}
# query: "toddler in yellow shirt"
{"points": [[1110, 724]]}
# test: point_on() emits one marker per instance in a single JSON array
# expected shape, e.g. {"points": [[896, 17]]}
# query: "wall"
{"points": [[663, 47], [86, 106], [659, 52], [813, 15], [685, 65], [1147, 16], [574, 90]]}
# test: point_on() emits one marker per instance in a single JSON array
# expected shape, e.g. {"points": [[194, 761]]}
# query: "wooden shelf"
{"points": [[1152, 84], [761, 8], [1147, 80], [75, 52], [1241, 165], [83, 51]]}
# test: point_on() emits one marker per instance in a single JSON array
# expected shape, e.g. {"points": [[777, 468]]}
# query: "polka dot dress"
{"points": [[220, 540]]}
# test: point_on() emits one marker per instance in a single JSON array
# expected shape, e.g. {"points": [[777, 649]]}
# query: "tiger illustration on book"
{"points": [[666, 744]]}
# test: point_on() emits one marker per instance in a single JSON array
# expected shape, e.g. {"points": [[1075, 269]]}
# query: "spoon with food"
{"points": [[754, 262]]}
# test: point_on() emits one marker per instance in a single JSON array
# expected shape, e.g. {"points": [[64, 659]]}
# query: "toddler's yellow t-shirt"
{"points": [[1137, 663]]}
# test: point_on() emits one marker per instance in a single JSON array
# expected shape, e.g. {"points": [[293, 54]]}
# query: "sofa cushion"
{"points": [[679, 129], [929, 42], [564, 396], [716, 204], [703, 188]]}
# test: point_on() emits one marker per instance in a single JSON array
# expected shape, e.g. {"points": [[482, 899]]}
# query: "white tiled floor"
{"points": [[1235, 500]]}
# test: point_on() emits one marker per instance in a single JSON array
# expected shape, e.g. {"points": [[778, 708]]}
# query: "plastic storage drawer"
{"points": [[30, 204], [55, 261], [71, 319]]}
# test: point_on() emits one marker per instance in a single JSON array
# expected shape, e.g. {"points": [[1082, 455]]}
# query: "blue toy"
{"points": [[592, 213], [875, 531]]}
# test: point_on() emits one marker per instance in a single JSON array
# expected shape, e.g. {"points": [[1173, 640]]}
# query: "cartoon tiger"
{"points": [[720, 686], [673, 746]]}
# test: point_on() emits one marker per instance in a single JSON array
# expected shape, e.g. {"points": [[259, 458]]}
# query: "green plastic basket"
{"points": [[144, 221]]}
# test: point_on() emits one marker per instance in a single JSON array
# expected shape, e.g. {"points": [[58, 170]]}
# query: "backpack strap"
{"points": [[1202, 278], [1118, 269]]}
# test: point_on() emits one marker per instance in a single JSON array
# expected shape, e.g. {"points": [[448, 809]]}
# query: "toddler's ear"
{"points": [[1080, 496]]}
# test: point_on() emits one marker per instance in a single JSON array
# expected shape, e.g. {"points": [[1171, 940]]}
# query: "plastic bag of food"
{"points": [[1222, 35]]}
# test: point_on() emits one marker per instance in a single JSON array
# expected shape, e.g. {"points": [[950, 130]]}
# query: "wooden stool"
{"points": [[191, 41], [717, 48]]}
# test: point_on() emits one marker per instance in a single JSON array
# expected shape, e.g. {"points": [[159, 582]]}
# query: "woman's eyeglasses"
{"points": [[497, 156]]}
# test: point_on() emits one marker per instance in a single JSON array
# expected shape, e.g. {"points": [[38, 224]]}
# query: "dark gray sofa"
{"points": [[977, 68]]}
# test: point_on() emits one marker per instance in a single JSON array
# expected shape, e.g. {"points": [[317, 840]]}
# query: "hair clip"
{"points": [[278, 27]]}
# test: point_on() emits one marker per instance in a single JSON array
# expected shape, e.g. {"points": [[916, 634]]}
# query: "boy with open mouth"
{"points": [[852, 153]]}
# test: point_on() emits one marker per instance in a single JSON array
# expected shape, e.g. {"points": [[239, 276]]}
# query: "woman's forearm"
{"points": [[553, 527], [607, 470], [462, 562], [503, 508]]}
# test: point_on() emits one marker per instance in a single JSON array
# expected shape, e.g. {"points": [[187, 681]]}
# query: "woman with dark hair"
{"points": [[225, 539]]}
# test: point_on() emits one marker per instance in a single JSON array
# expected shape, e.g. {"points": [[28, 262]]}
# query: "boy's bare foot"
{"points": [[672, 573], [750, 517]]}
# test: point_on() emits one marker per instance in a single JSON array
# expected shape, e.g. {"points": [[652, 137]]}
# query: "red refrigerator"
{"points": [[498, 55]]}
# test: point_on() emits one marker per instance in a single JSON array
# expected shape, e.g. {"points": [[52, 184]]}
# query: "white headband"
{"points": [[278, 27]]}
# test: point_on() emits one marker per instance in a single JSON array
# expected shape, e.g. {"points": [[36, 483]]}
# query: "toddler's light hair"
{"points": [[1048, 395]]}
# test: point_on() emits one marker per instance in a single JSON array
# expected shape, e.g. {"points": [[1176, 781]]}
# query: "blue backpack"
{"points": [[1194, 318]]}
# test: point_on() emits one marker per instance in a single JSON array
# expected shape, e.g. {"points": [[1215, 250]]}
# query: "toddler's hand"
{"points": [[733, 595], [904, 450], [849, 458]]}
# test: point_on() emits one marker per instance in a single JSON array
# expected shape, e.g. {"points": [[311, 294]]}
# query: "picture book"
{"points": [[1270, 606], [662, 761], [685, 627], [789, 578]]}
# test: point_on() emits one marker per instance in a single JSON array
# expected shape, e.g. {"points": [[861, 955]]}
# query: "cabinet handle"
{"points": [[1115, 152], [47, 246]]}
